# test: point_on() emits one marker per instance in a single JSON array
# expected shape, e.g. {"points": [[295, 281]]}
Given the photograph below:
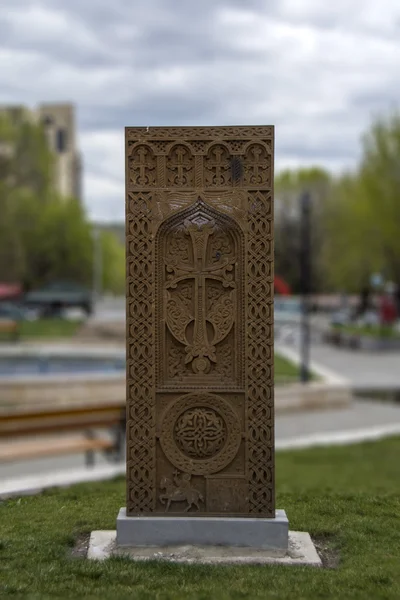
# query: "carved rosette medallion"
{"points": [[200, 433]]}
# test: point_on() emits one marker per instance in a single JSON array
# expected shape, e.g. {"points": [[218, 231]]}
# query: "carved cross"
{"points": [[200, 350], [219, 164], [181, 165], [256, 164]]}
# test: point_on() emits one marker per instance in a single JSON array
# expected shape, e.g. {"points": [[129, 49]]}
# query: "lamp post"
{"points": [[97, 265], [305, 279]]}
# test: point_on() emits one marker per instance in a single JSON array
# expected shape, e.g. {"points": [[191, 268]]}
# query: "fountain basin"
{"points": [[51, 377]]}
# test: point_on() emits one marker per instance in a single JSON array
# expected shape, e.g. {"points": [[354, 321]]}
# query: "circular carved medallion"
{"points": [[200, 433]]}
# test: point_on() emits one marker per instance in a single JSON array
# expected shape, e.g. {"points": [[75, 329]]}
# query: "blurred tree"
{"points": [[364, 213], [289, 186], [25, 158], [44, 237], [26, 171], [62, 246], [11, 251], [113, 261]]}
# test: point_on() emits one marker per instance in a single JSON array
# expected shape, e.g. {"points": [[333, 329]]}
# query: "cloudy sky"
{"points": [[318, 70]]}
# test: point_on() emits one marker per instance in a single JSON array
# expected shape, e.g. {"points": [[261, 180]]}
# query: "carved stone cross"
{"points": [[199, 262]]}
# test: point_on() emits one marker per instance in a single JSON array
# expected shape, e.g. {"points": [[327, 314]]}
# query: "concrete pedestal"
{"points": [[271, 535]]}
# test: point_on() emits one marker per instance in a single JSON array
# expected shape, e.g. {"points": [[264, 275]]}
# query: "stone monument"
{"points": [[200, 394]]}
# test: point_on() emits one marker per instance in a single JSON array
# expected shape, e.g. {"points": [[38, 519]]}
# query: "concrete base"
{"points": [[301, 551], [259, 534]]}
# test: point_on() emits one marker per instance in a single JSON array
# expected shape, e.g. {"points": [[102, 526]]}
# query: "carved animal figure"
{"points": [[179, 493]]}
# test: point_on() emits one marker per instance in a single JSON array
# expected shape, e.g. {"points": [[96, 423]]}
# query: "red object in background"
{"points": [[387, 310], [9, 291], [281, 287]]}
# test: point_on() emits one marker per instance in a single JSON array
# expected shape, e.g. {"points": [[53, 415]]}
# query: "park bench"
{"points": [[23, 434], [10, 327]]}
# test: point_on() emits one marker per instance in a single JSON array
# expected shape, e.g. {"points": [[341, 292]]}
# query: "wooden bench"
{"points": [[23, 435], [10, 327]]}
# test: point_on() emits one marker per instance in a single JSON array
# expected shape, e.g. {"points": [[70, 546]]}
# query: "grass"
{"points": [[46, 328], [287, 372], [375, 331], [346, 497]]}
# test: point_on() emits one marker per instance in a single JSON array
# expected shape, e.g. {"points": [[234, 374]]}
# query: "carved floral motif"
{"points": [[200, 432], [212, 446]]}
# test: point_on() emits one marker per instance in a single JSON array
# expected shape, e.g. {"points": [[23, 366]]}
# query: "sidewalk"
{"points": [[364, 420], [377, 370]]}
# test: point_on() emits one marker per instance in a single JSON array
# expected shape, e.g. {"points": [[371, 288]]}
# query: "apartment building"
{"points": [[60, 127]]}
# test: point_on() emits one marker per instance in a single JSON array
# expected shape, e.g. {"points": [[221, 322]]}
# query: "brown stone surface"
{"points": [[199, 236]]}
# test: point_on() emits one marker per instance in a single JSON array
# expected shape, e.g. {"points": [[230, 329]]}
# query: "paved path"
{"points": [[109, 309], [360, 368]]}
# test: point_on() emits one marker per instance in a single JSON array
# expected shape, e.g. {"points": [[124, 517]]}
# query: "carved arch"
{"points": [[217, 166], [257, 164], [142, 165], [180, 166]]}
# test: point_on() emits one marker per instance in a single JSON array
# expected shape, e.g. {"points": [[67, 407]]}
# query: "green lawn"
{"points": [[48, 328], [373, 331], [285, 371], [346, 497]]}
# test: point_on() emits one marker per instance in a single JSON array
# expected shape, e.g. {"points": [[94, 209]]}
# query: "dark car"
{"points": [[51, 300]]}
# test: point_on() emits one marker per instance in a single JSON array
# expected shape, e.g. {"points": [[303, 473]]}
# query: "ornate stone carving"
{"points": [[211, 446], [199, 217], [142, 166], [204, 133], [200, 432], [140, 353], [180, 167], [179, 490], [218, 166], [199, 287], [260, 354], [257, 166]]}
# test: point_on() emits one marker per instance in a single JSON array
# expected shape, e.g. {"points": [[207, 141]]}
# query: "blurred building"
{"points": [[59, 124]]}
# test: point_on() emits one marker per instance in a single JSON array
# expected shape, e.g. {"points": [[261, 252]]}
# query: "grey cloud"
{"points": [[161, 110], [169, 62]]}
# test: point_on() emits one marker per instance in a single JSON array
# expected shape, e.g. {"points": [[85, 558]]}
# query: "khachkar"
{"points": [[200, 402]]}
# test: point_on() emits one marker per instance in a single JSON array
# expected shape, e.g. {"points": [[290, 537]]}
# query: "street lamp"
{"points": [[97, 265], [305, 282]]}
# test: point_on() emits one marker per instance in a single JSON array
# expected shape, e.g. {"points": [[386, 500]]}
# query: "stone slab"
{"points": [[301, 552], [263, 534]]}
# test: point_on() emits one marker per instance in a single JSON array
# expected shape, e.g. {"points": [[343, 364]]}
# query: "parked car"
{"points": [[56, 297]]}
